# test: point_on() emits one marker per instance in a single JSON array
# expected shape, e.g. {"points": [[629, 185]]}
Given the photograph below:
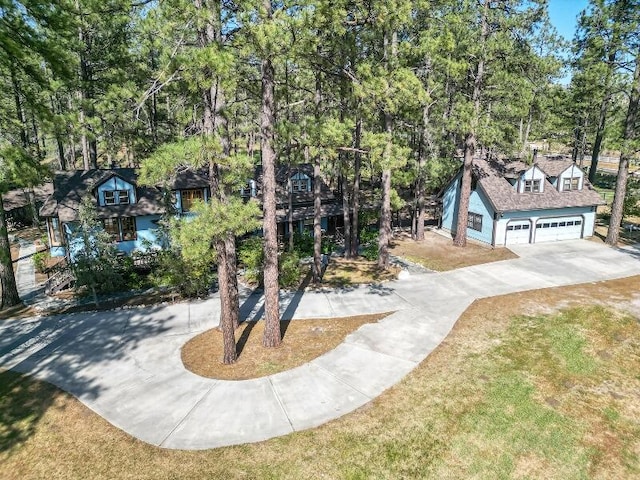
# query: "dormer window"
{"points": [[299, 185], [572, 183], [115, 197], [532, 186], [109, 197]]}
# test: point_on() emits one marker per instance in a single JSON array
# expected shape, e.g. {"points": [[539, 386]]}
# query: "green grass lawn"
{"points": [[513, 392]]}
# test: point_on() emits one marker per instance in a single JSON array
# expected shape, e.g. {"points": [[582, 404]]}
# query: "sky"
{"points": [[564, 16]]}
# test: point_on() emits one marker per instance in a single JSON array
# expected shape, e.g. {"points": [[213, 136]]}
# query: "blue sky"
{"points": [[564, 15]]}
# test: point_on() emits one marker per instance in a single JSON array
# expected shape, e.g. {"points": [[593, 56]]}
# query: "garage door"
{"points": [[518, 231], [561, 228]]}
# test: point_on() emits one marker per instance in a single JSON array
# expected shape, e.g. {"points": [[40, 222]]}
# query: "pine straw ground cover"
{"points": [[302, 341], [438, 253], [544, 384]]}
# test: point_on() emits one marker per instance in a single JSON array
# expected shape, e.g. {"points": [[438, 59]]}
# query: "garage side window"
{"points": [[474, 221]]}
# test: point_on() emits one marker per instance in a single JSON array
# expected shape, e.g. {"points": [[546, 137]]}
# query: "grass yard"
{"points": [[437, 252], [519, 389]]}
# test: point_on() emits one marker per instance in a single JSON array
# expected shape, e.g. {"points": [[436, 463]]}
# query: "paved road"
{"points": [[125, 364]]}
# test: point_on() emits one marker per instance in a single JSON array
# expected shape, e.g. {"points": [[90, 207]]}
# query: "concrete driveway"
{"points": [[125, 365]]}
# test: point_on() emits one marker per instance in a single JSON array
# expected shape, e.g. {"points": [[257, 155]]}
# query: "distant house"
{"points": [[18, 204], [128, 212], [512, 202]]}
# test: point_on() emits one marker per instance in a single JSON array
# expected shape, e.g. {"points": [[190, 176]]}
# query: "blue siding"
{"points": [[116, 183], [146, 237], [478, 203]]}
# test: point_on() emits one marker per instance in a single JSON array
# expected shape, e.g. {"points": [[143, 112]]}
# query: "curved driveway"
{"points": [[125, 364]]}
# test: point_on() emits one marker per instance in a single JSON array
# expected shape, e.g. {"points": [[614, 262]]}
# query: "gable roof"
{"points": [[490, 175], [70, 187], [554, 167]]}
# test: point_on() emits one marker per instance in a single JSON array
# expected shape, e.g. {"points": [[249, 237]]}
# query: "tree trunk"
{"points": [[597, 143], [627, 151], [460, 239], [317, 226], [290, 210], [272, 336], [8, 285], [355, 212], [317, 201], [346, 218], [214, 122], [604, 106], [384, 235], [425, 152]]}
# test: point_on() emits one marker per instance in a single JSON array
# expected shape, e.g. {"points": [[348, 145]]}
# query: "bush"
{"points": [[40, 261], [289, 269], [303, 243], [251, 257], [189, 279], [369, 243]]}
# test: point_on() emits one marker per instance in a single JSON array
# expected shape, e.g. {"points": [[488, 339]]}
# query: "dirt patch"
{"points": [[302, 341], [341, 272], [437, 252]]}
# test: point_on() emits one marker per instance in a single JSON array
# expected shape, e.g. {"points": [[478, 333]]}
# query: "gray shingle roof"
{"points": [[504, 198], [70, 187]]}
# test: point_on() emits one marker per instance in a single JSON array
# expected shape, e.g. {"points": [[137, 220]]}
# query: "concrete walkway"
{"points": [[125, 365], [26, 273]]}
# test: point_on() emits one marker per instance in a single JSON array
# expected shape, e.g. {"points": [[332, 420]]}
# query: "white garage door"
{"points": [[561, 228], [518, 231]]}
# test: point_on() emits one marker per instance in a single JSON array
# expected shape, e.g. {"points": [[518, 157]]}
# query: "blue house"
{"points": [[512, 202], [128, 212]]}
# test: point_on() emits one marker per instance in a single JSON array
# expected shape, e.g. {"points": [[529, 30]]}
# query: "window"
{"points": [[299, 185], [110, 197], [532, 186], [115, 197], [474, 221], [571, 183], [120, 229], [111, 227], [190, 196], [123, 197], [128, 228]]}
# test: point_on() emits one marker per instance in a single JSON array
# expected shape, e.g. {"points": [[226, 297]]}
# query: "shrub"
{"points": [[189, 279], [40, 261], [303, 243], [369, 243], [289, 269], [251, 256]]}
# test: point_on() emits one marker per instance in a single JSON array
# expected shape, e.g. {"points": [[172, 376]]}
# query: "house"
{"points": [[297, 181], [512, 202], [18, 204], [129, 212]]}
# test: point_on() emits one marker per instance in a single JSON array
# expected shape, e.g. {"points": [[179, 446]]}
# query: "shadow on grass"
{"points": [[74, 352], [23, 402]]}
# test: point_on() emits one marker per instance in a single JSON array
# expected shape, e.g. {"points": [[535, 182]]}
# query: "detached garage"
{"points": [[547, 201]]}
